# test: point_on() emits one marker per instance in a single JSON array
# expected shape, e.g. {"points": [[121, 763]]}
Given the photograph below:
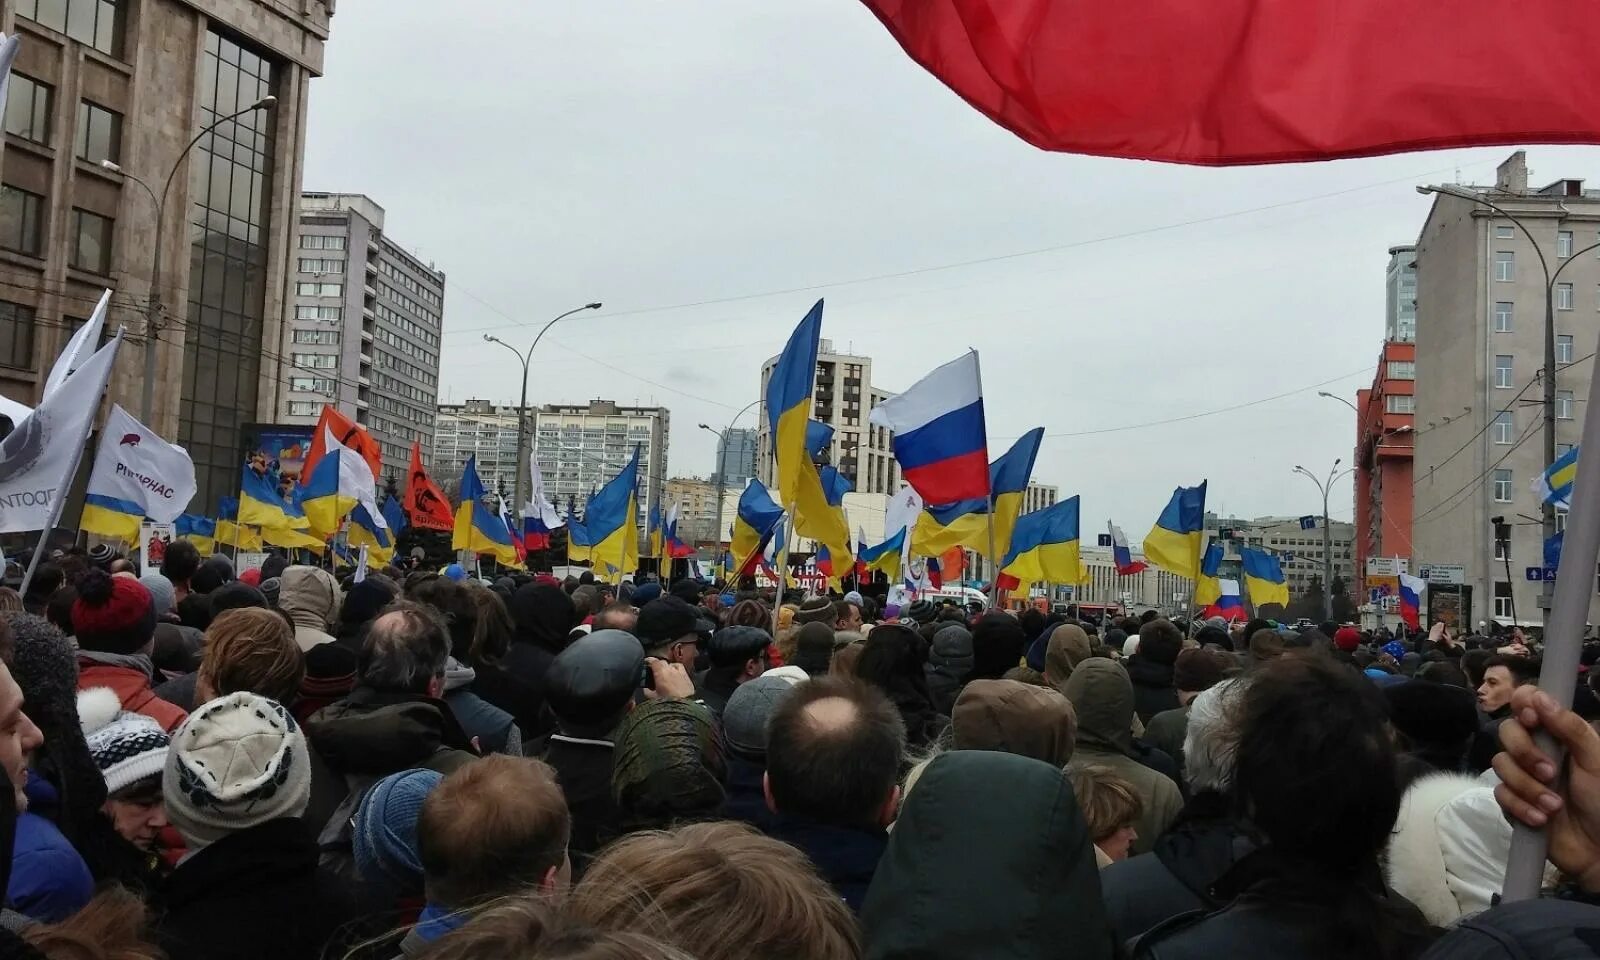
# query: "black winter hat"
{"points": [[592, 680], [1432, 714], [733, 646]]}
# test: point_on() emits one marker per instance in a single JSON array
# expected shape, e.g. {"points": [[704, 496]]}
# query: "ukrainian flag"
{"points": [[230, 532], [800, 486], [1208, 588], [1174, 543], [886, 555], [1263, 578], [111, 517], [340, 480], [365, 532], [1555, 484], [479, 528], [966, 523], [657, 535], [610, 519], [753, 524], [1044, 546], [259, 502], [198, 530]]}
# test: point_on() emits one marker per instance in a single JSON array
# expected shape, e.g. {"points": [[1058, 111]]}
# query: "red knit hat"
{"points": [[113, 614], [1347, 639]]}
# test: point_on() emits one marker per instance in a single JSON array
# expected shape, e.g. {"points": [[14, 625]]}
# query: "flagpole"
{"points": [[994, 561], [783, 569]]}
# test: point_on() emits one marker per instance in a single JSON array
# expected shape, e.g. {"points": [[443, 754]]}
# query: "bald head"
{"points": [[405, 650], [834, 747]]}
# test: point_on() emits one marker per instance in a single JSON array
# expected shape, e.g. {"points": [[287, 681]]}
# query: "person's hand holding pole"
{"points": [[1531, 790]]}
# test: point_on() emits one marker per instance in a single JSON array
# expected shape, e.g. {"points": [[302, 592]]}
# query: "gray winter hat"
{"points": [[744, 719], [237, 762]]}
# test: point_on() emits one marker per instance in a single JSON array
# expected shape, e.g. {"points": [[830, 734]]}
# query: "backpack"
{"points": [[1526, 930]]}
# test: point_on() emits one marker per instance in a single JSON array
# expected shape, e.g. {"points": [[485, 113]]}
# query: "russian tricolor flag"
{"points": [[1121, 555], [1411, 592], [939, 436], [1230, 605]]}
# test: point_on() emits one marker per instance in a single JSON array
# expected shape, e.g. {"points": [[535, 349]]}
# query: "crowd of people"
{"points": [[286, 763]]}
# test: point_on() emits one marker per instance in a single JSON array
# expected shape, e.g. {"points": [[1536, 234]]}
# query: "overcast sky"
{"points": [[709, 169]]}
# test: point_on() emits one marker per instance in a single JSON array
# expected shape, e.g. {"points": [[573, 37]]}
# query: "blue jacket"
{"points": [[49, 880], [846, 857]]}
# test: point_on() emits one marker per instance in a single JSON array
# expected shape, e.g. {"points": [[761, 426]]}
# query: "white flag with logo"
{"points": [[38, 458], [135, 465], [80, 348], [902, 514]]}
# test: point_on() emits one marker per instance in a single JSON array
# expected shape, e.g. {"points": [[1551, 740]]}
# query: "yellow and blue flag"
{"points": [[753, 523], [1554, 486], [340, 480], [1263, 578], [479, 528], [610, 519], [229, 530], [198, 530], [111, 517], [367, 530], [1044, 547], [260, 504], [1174, 543], [296, 530], [885, 556], [966, 522], [656, 537], [1208, 587]]}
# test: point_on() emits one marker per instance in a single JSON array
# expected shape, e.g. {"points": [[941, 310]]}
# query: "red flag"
{"points": [[425, 503], [1262, 81], [347, 432]]}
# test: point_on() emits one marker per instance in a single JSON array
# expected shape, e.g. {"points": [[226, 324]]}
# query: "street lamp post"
{"points": [[1324, 487], [154, 305], [522, 401], [1547, 511], [722, 475]]}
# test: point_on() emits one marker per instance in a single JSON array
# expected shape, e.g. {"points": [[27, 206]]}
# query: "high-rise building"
{"points": [[1038, 496], [1299, 549], [697, 508], [105, 99], [1385, 418], [1480, 360], [479, 429], [362, 331], [842, 396], [581, 446], [736, 456]]}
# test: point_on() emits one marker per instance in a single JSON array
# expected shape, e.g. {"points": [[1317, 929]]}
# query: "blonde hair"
{"points": [[490, 827], [1108, 802], [112, 926], [719, 891], [252, 649]]}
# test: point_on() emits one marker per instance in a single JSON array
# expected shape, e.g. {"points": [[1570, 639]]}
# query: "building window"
{"points": [[1502, 371], [303, 312], [315, 241], [319, 289], [16, 335], [325, 337], [1563, 243], [1502, 599], [1503, 427], [1563, 296], [311, 384], [304, 408], [99, 133], [315, 361], [1505, 266], [1502, 545], [91, 241], [21, 220], [95, 22], [1563, 404], [1502, 317], [1502, 486], [1402, 370], [1504, 231], [28, 108], [1563, 348], [320, 265], [1400, 403]]}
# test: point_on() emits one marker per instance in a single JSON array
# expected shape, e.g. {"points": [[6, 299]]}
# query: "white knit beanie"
{"points": [[236, 763], [126, 747]]}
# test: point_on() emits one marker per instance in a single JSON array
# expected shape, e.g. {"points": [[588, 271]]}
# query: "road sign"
{"points": [[1308, 523], [1103, 540], [1443, 573], [1536, 574], [1385, 566]]}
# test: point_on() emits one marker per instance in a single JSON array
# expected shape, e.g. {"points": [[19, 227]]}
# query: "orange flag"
{"points": [[425, 503], [347, 432]]}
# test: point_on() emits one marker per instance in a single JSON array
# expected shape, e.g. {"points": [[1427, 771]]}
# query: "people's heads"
{"points": [[310, 596], [849, 615], [750, 707], [1443, 671], [740, 652], [454, 602], [58, 608], [1013, 717], [235, 596], [747, 613], [529, 927], [1160, 641], [1200, 669], [817, 610], [1347, 639], [383, 833], [1435, 721], [1110, 805], [616, 616], [44, 665], [667, 765], [362, 601], [405, 651], [113, 614], [718, 891], [235, 763], [492, 628], [213, 572], [1266, 644], [1211, 738], [586, 601], [1472, 664], [180, 562], [669, 628], [18, 736], [492, 828], [1067, 647], [162, 593], [250, 649], [130, 750], [1316, 769], [834, 748], [813, 648], [1502, 675], [998, 644], [1102, 695], [591, 684]]}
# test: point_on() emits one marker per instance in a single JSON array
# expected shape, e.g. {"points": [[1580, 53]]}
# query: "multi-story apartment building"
{"points": [[363, 326], [842, 396], [476, 428], [1480, 364], [581, 446], [1038, 496], [1385, 424], [109, 102], [697, 508]]}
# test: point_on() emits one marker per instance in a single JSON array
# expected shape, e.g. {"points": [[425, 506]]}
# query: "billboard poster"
{"points": [[153, 540], [1451, 604], [284, 445]]}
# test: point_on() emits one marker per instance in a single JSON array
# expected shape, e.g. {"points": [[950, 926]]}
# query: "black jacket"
{"points": [[746, 801], [1180, 874], [522, 700], [847, 857], [254, 894], [584, 768], [1153, 691]]}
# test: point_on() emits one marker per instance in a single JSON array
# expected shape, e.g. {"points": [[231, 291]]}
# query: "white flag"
{"points": [[136, 466], [361, 564], [38, 458], [538, 504], [80, 347], [902, 514]]}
